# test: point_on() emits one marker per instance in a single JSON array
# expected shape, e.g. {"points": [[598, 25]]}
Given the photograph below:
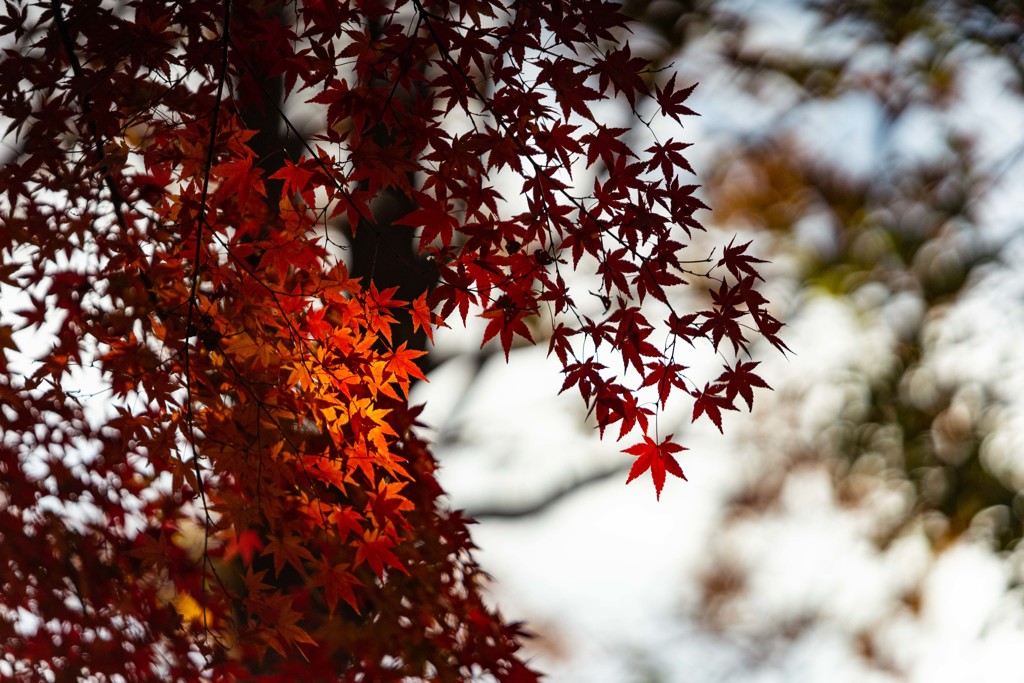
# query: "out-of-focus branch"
{"points": [[547, 500]]}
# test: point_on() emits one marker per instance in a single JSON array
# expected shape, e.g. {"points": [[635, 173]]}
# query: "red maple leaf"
{"points": [[668, 157], [741, 380], [738, 262], [665, 376], [604, 143], [295, 176], [244, 545], [239, 178], [422, 316], [671, 100], [622, 70], [506, 321], [376, 550], [656, 457], [586, 374], [710, 402]]}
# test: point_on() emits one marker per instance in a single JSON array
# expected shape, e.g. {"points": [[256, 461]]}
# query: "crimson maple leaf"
{"points": [[711, 403], [243, 545], [296, 177], [239, 178], [656, 457], [738, 261], [665, 376], [671, 100], [506, 321], [623, 71], [742, 380], [668, 157]]}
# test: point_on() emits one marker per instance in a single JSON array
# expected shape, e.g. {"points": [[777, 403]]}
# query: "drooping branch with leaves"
{"points": [[210, 464]]}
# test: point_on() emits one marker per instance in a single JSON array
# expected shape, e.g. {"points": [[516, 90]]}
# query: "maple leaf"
{"points": [[722, 321], [586, 374], [651, 280], [738, 262], [338, 583], [285, 620], [671, 100], [400, 364], [253, 581], [422, 316], [622, 70], [570, 91], [614, 268], [656, 457], [288, 550], [386, 503], [296, 177], [239, 178], [741, 380], [455, 291], [604, 143], [376, 550], [668, 156], [633, 414], [35, 316], [347, 520], [558, 140], [243, 545], [664, 376], [711, 402], [506, 321], [560, 345], [682, 326]]}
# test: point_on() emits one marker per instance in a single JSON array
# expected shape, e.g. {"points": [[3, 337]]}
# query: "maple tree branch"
{"points": [[328, 171], [645, 263], [116, 198], [290, 353], [193, 299], [549, 499], [68, 42]]}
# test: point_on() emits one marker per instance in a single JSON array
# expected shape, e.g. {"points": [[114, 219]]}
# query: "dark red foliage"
{"points": [[246, 496]]}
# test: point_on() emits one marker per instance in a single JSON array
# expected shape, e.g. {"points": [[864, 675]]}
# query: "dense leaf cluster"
{"points": [[251, 497]]}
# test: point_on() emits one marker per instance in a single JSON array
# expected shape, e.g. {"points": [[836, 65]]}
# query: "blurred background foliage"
{"points": [[874, 164]]}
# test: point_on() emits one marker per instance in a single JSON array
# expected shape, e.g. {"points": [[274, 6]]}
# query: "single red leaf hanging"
{"points": [[656, 457]]}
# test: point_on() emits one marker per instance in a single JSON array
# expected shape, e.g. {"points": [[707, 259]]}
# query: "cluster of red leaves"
{"points": [[253, 388]]}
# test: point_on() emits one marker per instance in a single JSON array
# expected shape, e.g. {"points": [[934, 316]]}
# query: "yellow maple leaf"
{"points": [[190, 610]]}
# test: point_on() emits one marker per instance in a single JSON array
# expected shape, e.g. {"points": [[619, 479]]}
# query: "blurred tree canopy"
{"points": [[881, 160]]}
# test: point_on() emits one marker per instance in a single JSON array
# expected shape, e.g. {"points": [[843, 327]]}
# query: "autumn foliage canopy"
{"points": [[209, 465]]}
